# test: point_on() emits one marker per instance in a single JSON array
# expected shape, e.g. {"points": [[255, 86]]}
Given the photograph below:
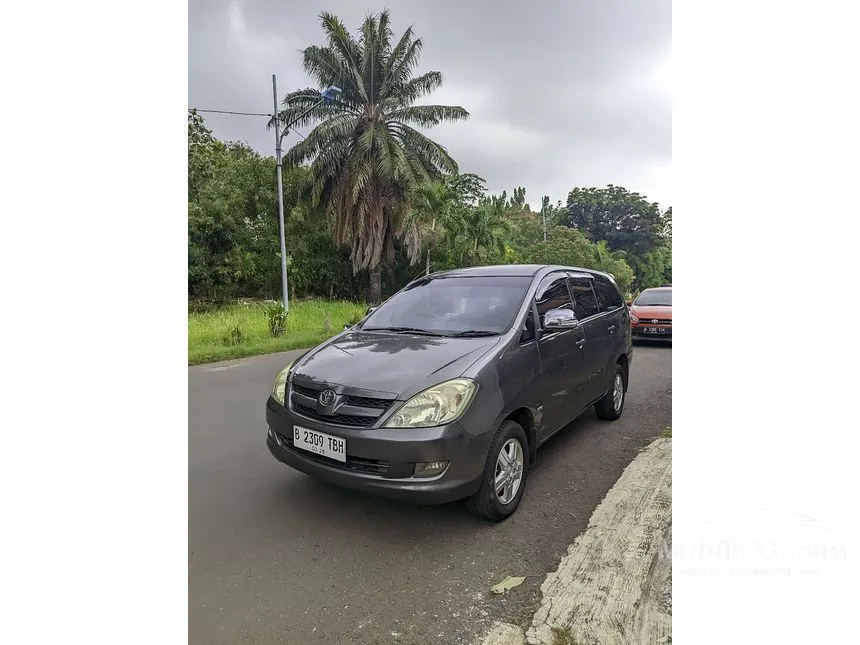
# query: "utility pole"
{"points": [[327, 95], [280, 195], [544, 205], [278, 164]]}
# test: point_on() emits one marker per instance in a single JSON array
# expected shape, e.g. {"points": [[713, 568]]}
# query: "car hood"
{"points": [[647, 311], [393, 364]]}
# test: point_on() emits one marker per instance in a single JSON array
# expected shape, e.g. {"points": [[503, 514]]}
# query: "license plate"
{"points": [[655, 330], [320, 443]]}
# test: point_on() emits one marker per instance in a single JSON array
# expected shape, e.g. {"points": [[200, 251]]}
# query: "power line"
{"points": [[231, 112], [294, 131]]}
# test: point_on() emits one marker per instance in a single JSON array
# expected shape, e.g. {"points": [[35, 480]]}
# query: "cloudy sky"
{"points": [[562, 93]]}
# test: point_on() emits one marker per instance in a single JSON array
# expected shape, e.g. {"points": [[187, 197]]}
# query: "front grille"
{"points": [[372, 408], [337, 419], [650, 321], [365, 402], [301, 389], [357, 401], [355, 464]]}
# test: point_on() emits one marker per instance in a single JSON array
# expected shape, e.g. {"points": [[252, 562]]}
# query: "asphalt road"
{"points": [[275, 557]]}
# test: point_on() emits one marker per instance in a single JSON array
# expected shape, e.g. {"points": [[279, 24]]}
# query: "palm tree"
{"points": [[486, 227], [430, 219], [368, 158]]}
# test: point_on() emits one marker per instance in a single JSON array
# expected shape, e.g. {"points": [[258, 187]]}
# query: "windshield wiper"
{"points": [[475, 333], [405, 330]]}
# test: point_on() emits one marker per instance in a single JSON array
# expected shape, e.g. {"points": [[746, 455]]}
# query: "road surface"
{"points": [[275, 557]]}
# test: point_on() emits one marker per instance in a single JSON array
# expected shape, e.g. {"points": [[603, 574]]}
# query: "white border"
{"points": [[94, 473], [765, 476], [94, 457]]}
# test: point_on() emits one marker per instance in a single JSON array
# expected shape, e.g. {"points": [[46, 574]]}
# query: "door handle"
{"points": [[611, 327], [580, 343]]}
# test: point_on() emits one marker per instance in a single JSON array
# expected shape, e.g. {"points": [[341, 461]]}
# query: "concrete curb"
{"points": [[612, 586]]}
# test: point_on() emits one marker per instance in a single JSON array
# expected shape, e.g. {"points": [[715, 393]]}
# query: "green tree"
{"points": [[232, 223], [570, 247], [484, 230], [468, 187], [667, 225], [203, 149], [431, 218], [626, 220], [652, 268], [565, 246], [367, 157]]}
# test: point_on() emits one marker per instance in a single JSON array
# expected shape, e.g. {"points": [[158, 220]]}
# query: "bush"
{"points": [[234, 337], [276, 316]]}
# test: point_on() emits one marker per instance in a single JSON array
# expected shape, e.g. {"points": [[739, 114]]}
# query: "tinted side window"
{"points": [[584, 300], [552, 294], [608, 297]]}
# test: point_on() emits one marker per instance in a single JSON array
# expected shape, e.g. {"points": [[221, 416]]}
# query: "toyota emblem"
{"points": [[655, 321], [327, 397]]}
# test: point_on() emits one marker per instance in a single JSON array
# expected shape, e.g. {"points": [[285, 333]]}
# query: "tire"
{"points": [[607, 408], [486, 502]]}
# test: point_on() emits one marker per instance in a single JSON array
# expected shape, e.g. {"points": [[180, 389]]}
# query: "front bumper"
{"points": [[381, 461]]}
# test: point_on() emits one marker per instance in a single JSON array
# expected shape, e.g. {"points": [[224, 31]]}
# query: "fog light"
{"points": [[430, 469]]}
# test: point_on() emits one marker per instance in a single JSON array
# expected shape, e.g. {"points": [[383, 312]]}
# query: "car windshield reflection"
{"points": [[452, 306]]}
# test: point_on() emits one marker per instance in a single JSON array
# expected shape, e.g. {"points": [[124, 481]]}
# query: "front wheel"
{"points": [[505, 474], [611, 405]]}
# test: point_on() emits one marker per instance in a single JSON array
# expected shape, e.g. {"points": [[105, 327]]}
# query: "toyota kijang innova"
{"points": [[447, 389]]}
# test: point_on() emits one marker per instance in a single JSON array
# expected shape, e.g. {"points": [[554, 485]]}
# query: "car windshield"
{"points": [[449, 306], [656, 298]]}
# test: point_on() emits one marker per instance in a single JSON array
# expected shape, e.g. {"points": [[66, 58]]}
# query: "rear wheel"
{"points": [[611, 405], [505, 474]]}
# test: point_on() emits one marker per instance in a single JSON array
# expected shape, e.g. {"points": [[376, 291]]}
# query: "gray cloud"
{"points": [[561, 93]]}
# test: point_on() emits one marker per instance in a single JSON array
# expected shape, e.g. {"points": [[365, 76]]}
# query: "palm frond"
{"points": [[406, 94], [402, 66], [340, 40], [328, 67], [431, 153], [393, 62], [426, 116]]}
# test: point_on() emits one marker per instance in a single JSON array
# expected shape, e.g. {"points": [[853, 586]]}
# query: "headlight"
{"points": [[435, 406], [633, 319], [279, 389]]}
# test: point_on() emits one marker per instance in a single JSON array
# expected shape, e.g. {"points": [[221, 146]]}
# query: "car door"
{"points": [[610, 301], [562, 394], [597, 329]]}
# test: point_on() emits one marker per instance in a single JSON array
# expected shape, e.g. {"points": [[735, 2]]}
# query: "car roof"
{"points": [[657, 289], [517, 270], [494, 270]]}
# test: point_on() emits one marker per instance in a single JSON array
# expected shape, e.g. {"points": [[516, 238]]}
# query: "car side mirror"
{"points": [[557, 319], [629, 303]]}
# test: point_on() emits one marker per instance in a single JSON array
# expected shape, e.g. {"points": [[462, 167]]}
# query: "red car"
{"points": [[651, 314]]}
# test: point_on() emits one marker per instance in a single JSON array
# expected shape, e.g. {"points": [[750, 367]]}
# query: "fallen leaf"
{"points": [[508, 583]]}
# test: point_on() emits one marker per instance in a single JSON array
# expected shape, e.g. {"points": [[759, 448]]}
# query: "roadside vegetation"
{"points": [[240, 330], [371, 202]]}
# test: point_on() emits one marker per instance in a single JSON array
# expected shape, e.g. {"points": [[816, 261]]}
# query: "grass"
{"points": [[667, 432], [236, 331]]}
